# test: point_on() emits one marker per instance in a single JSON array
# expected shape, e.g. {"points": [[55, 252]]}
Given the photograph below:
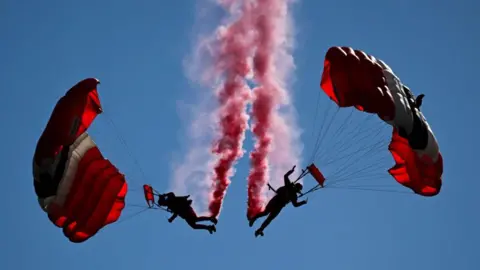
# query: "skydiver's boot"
{"points": [[211, 229], [214, 220], [259, 232]]}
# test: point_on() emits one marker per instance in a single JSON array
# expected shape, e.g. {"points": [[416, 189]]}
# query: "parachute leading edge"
{"points": [[76, 186], [354, 78]]}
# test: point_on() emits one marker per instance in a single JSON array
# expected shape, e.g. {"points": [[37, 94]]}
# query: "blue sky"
{"points": [[137, 48]]}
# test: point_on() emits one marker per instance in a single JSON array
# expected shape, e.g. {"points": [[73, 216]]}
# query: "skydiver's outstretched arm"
{"points": [[296, 203], [173, 217], [167, 195], [286, 178], [184, 197]]}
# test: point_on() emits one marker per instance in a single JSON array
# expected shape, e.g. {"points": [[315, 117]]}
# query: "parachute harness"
{"points": [[311, 169], [151, 202]]}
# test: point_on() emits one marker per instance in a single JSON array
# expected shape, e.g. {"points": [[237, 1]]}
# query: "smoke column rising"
{"points": [[270, 21], [234, 45], [259, 33], [254, 43]]}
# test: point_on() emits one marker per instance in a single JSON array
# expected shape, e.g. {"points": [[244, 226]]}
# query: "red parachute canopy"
{"points": [[79, 189], [354, 78]]}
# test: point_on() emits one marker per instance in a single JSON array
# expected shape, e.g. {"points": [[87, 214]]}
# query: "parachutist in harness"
{"points": [[283, 196], [419, 100], [181, 206], [414, 102]]}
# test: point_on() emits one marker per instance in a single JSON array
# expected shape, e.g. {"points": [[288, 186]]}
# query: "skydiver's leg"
{"points": [[271, 205], [273, 214], [205, 218], [257, 216], [190, 214], [209, 228]]}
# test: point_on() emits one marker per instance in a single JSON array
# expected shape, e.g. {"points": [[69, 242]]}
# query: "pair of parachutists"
{"points": [[82, 192]]}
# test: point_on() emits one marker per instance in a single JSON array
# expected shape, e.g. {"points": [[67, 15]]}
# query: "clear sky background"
{"points": [[137, 49]]}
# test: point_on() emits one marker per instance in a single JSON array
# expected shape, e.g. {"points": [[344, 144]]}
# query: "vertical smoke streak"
{"points": [[270, 25], [257, 35], [232, 64]]}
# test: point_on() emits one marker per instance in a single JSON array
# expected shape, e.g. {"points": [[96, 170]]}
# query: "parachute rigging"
{"points": [[150, 198]]}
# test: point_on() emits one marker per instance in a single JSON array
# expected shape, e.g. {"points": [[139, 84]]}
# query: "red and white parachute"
{"points": [[77, 187], [352, 78]]}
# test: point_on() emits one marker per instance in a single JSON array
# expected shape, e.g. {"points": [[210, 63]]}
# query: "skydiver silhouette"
{"points": [[419, 101], [284, 195], [414, 102], [181, 206]]}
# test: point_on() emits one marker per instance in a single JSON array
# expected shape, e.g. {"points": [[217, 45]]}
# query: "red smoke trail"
{"points": [[258, 32], [234, 96], [267, 96]]}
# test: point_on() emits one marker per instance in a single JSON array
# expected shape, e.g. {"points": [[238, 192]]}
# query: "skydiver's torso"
{"points": [[285, 195], [177, 204]]}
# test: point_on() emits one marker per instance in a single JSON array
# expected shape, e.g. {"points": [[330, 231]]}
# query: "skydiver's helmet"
{"points": [[162, 200], [298, 187]]}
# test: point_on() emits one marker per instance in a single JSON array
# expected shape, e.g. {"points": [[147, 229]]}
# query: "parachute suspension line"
{"points": [[357, 151], [315, 116], [363, 140], [338, 132], [335, 135], [341, 144], [347, 176], [136, 205], [356, 140], [323, 132], [133, 215], [347, 121], [153, 208], [342, 174], [326, 131], [376, 190], [317, 142], [125, 145], [303, 174]]}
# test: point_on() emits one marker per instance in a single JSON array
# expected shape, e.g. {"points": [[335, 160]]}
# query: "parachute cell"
{"points": [[79, 189], [410, 167], [354, 78]]}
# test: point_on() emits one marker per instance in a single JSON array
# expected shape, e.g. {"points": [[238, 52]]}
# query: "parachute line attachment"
{"points": [[150, 192]]}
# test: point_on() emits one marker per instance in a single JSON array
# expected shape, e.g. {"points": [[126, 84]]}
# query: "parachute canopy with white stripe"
{"points": [[76, 186], [353, 78]]}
